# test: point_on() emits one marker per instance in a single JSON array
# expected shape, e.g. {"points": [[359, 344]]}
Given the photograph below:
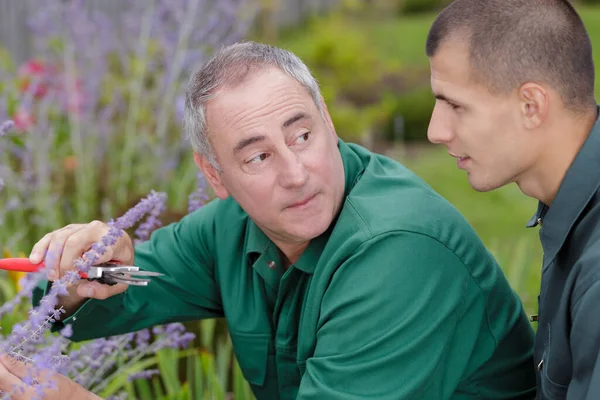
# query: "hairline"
{"points": [[222, 84], [490, 82]]}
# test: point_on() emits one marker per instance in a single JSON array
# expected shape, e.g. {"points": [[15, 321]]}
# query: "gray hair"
{"points": [[230, 67]]}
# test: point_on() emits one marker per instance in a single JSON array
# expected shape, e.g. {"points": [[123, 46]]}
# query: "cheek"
{"points": [[477, 130], [251, 190], [321, 161]]}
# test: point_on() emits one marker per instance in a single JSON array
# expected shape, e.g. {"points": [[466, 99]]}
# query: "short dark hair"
{"points": [[516, 41]]}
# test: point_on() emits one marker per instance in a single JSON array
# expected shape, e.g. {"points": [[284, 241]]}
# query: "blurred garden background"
{"points": [[95, 91]]}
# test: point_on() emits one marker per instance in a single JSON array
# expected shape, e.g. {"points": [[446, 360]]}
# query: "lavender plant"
{"points": [[92, 364], [97, 112], [98, 364], [95, 124]]}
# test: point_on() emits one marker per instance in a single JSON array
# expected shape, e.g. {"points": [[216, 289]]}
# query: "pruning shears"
{"points": [[106, 273]]}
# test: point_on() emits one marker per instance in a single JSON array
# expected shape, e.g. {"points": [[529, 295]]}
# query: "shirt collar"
{"points": [[577, 188], [257, 241]]}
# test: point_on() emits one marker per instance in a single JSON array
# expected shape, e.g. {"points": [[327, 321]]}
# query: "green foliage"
{"points": [[348, 71], [208, 371], [410, 116], [357, 84], [372, 66]]}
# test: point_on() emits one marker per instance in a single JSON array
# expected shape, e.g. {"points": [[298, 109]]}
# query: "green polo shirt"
{"points": [[399, 299]]}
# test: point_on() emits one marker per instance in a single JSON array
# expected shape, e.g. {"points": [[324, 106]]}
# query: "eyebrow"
{"points": [[247, 142], [295, 118], [242, 144]]}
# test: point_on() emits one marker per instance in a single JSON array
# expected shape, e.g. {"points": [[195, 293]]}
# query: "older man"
{"points": [[515, 86], [340, 273]]}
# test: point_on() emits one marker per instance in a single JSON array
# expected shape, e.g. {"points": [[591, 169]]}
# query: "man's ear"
{"points": [[328, 120], [212, 176], [534, 100]]}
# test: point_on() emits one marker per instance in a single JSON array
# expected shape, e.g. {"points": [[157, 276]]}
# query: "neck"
{"points": [[563, 139]]}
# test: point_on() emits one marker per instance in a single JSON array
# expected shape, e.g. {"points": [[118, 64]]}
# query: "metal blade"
{"points": [[126, 279], [114, 268], [144, 273]]}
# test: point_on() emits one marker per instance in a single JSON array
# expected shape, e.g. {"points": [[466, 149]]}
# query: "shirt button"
{"points": [[540, 221], [272, 264]]}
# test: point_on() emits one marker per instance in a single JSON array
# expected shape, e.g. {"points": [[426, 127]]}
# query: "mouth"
{"points": [[303, 202], [461, 161]]}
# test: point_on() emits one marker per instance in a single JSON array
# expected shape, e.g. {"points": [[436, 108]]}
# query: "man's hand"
{"points": [[12, 372], [61, 248]]}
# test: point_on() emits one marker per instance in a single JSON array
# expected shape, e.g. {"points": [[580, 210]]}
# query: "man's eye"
{"points": [[303, 138], [454, 106], [258, 159]]}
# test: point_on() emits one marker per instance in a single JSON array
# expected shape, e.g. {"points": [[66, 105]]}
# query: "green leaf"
{"points": [[157, 387], [119, 381], [241, 388], [6, 61], [169, 370], [184, 394], [143, 389], [130, 390]]}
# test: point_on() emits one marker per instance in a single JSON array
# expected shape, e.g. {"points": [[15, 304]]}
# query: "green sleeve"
{"points": [[393, 323], [187, 291]]}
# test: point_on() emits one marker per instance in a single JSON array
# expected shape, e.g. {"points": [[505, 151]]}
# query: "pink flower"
{"points": [[36, 73], [23, 120], [75, 98]]}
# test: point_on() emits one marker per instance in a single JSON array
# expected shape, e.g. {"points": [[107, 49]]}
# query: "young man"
{"points": [[514, 82], [341, 274]]}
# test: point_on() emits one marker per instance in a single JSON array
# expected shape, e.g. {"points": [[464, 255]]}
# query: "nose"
{"points": [[439, 130], [293, 173]]}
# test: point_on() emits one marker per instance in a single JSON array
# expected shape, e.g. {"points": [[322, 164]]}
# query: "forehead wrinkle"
{"points": [[251, 117]]}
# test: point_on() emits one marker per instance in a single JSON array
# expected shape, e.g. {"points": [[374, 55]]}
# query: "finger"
{"points": [[55, 248], [81, 241], [38, 252], [97, 290]]}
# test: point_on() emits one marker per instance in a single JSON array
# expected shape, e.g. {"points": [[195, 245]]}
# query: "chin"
{"points": [[484, 186], [310, 228]]}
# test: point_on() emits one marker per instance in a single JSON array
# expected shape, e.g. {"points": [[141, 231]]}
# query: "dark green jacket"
{"points": [[398, 300], [567, 349]]}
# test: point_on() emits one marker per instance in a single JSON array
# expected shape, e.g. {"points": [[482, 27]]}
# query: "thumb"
{"points": [[97, 290]]}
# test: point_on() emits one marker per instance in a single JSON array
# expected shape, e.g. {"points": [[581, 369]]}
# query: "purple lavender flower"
{"points": [[147, 374], [41, 317], [6, 127], [28, 282], [142, 339], [199, 197], [81, 117], [152, 222], [67, 331], [179, 108]]}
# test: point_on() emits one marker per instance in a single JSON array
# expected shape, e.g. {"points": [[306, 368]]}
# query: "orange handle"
{"points": [[24, 265]]}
